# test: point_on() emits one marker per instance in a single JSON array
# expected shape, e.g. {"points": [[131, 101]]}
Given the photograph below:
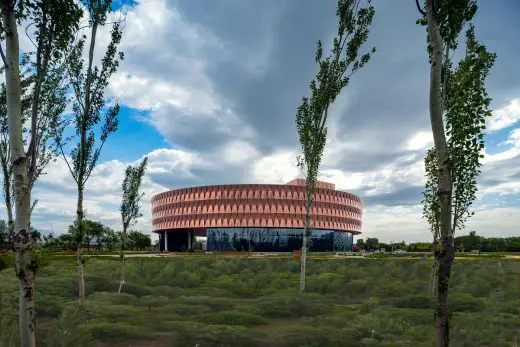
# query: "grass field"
{"points": [[189, 301]]}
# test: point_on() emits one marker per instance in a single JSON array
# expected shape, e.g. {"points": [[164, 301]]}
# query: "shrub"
{"points": [[69, 330], [325, 283], [231, 318], [114, 298], [463, 302], [415, 301], [183, 309], [192, 334], [163, 290], [293, 305], [65, 287], [368, 306], [49, 306], [136, 289], [153, 300], [359, 286], [9, 333], [215, 304], [6, 262], [115, 331]]}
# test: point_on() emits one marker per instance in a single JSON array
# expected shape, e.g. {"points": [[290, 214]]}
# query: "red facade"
{"points": [[256, 205]]}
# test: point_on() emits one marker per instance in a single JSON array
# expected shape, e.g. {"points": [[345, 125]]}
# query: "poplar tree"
{"points": [[333, 75], [459, 105], [92, 113], [5, 150], [130, 206], [55, 23]]}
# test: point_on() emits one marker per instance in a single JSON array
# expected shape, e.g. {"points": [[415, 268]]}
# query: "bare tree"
{"points": [[89, 105], [459, 105], [56, 21], [130, 206], [334, 74]]}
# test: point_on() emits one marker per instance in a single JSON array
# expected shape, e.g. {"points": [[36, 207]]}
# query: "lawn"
{"points": [[189, 301]]}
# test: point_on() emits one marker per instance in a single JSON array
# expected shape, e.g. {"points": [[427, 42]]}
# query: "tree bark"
{"points": [[81, 278], [22, 237], [122, 278], [305, 241], [445, 255], [8, 197]]}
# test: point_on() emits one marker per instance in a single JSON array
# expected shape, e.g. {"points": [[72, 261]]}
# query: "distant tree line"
{"points": [[465, 243], [96, 236]]}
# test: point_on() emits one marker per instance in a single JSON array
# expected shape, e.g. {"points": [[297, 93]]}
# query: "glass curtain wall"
{"points": [[275, 240]]}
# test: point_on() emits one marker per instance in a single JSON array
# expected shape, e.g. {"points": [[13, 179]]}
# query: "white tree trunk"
{"points": [[81, 277], [433, 279], [7, 193], [22, 237], [445, 255], [305, 241], [122, 275]]}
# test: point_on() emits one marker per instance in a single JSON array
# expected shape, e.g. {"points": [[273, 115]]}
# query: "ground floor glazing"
{"points": [[256, 240]]}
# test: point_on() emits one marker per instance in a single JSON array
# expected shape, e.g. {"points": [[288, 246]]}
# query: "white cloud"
{"points": [[279, 168], [238, 152], [397, 223], [421, 140], [56, 191], [513, 142], [505, 116]]}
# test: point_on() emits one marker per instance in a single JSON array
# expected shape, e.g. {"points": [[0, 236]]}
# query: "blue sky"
{"points": [[209, 91]]}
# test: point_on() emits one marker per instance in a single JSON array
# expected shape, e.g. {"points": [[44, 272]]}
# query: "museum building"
{"points": [[256, 217]]}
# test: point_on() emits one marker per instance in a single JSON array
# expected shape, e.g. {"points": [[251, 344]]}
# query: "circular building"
{"points": [[256, 217]]}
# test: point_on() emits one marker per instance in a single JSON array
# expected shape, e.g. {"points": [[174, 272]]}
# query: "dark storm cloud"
{"points": [[389, 95], [406, 196], [263, 59], [283, 36]]}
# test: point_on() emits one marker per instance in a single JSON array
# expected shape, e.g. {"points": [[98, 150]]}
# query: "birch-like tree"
{"points": [[5, 151], [55, 23], [130, 206], [459, 105], [92, 114], [334, 74]]}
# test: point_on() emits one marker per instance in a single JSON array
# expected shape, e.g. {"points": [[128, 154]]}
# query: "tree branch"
{"points": [[67, 162], [421, 11], [4, 59]]}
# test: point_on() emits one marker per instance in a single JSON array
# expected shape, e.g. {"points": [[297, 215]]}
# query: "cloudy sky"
{"points": [[210, 89]]}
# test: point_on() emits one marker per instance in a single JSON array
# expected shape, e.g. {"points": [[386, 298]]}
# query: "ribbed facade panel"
{"points": [[256, 205]]}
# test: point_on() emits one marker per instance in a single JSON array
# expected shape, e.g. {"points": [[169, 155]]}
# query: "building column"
{"points": [[166, 241], [190, 237]]}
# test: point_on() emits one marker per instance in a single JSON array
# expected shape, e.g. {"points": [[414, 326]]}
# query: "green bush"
{"points": [[368, 306], [163, 290], [154, 301], [358, 286], [293, 305], [136, 289], [188, 310], [192, 334], [231, 318], [49, 306], [114, 298], [6, 262], [115, 331], [215, 304], [415, 301], [463, 302], [9, 332], [69, 330]]}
